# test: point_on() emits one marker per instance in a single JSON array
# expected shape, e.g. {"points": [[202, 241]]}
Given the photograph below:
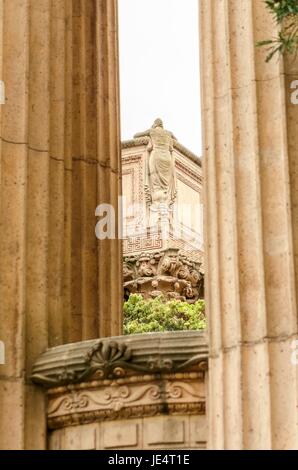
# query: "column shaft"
{"points": [[60, 158], [251, 289]]}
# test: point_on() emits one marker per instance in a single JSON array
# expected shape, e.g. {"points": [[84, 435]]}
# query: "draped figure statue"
{"points": [[160, 173]]}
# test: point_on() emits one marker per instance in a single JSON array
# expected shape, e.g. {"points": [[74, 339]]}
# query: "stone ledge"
{"points": [[140, 141], [116, 357]]}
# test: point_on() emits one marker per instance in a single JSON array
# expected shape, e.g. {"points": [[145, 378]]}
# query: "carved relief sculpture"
{"points": [[164, 272]]}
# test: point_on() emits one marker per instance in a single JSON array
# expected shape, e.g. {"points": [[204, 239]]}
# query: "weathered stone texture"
{"points": [[250, 144], [133, 392], [161, 432], [60, 158]]}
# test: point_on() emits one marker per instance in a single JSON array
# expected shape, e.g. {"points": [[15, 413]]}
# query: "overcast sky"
{"points": [[159, 68]]}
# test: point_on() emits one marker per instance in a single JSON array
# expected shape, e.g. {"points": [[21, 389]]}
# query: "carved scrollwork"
{"points": [[118, 401], [164, 272], [146, 266], [72, 402], [128, 271]]}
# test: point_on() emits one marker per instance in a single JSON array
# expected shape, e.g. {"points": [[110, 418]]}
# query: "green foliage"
{"points": [[145, 316], [282, 8], [285, 13]]}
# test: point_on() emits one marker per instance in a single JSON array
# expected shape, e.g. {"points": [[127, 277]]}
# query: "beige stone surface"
{"points": [[161, 432], [60, 158], [137, 392], [110, 358], [12, 414], [250, 224]]}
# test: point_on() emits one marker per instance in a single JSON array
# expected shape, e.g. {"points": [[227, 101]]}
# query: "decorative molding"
{"points": [[142, 242], [124, 377], [133, 164], [134, 412], [187, 153], [111, 358], [126, 144], [188, 182], [131, 158], [187, 171], [151, 242], [145, 396], [138, 142]]}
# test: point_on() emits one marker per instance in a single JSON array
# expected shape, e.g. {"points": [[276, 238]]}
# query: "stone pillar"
{"points": [[250, 142], [60, 158]]}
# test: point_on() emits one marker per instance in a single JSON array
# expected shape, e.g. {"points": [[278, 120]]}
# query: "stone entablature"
{"points": [[129, 381]]}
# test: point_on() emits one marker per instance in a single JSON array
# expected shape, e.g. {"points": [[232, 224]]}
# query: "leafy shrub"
{"points": [[153, 315], [282, 8], [285, 13]]}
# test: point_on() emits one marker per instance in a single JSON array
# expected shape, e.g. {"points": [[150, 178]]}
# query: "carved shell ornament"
{"points": [[108, 358], [112, 360]]}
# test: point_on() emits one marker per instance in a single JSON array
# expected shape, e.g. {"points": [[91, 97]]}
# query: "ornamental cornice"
{"points": [[110, 358], [177, 145]]}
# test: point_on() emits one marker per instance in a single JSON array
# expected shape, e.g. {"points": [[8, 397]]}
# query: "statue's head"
{"points": [[157, 123]]}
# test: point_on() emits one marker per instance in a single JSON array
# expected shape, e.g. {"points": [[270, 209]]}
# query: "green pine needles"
{"points": [[286, 15], [153, 315]]}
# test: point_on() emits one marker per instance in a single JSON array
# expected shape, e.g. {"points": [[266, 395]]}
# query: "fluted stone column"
{"points": [[250, 164], [60, 158]]}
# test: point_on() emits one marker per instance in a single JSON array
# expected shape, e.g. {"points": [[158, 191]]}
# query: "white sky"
{"points": [[159, 68]]}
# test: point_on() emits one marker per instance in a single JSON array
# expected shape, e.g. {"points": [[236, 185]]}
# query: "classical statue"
{"points": [[160, 174]]}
